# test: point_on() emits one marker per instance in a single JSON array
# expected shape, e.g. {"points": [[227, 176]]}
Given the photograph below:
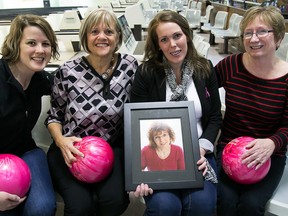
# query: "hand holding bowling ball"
{"points": [[15, 176], [97, 162], [232, 164]]}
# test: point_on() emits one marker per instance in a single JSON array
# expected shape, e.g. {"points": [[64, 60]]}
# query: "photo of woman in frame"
{"points": [[161, 153]]}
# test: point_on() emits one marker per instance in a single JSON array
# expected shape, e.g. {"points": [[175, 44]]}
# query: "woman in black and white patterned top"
{"points": [[87, 100]]}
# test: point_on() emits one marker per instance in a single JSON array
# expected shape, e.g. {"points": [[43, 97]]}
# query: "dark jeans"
{"points": [[248, 200], [184, 202], [104, 198], [40, 199]]}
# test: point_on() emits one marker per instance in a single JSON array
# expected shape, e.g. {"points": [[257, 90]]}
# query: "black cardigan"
{"points": [[19, 109]]}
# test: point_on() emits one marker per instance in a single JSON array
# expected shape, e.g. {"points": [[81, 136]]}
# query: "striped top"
{"points": [[254, 107]]}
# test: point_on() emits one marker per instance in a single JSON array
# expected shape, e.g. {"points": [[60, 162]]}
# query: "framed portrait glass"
{"points": [[161, 145]]}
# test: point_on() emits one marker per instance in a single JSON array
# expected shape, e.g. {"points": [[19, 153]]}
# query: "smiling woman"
{"points": [[88, 98], [174, 71], [27, 49], [256, 105]]}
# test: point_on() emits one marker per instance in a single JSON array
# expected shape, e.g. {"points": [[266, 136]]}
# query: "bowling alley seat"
{"points": [[220, 23], [232, 32], [278, 204]]}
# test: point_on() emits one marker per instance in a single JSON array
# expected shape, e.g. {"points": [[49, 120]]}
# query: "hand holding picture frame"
{"points": [[181, 117]]}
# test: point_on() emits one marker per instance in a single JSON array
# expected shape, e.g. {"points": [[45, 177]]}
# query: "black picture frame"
{"points": [[134, 113]]}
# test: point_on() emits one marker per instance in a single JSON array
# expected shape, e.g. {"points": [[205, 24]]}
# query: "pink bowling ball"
{"points": [[231, 162], [15, 176], [97, 162]]}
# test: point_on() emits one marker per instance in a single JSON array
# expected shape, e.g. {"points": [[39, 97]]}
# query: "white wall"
{"points": [[4, 4], [8, 4], [64, 3]]}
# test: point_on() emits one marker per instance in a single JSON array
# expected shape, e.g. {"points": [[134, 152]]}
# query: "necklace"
{"points": [[106, 74]]}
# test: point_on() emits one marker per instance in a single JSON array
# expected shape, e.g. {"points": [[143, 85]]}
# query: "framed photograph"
{"points": [[161, 145]]}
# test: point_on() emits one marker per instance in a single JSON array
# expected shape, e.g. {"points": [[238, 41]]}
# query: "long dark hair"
{"points": [[154, 55]]}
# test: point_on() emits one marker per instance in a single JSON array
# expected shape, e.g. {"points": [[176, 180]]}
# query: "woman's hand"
{"points": [[258, 152], [202, 165], [9, 201], [143, 190], [202, 162], [66, 145]]}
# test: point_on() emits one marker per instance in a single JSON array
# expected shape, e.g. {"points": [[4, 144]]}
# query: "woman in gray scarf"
{"points": [[173, 71]]}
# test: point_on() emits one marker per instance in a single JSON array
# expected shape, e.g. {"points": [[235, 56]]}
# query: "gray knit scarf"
{"points": [[178, 91], [178, 94]]}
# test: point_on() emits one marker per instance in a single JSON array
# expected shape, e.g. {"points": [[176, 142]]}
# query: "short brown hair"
{"points": [[11, 46], [270, 15]]}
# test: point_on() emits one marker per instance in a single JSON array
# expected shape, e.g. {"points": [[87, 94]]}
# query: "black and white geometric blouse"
{"points": [[85, 104]]}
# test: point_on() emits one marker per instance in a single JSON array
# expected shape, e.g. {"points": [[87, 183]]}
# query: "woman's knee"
{"points": [[44, 209], [252, 207], [113, 204], [163, 203], [194, 200], [79, 208]]}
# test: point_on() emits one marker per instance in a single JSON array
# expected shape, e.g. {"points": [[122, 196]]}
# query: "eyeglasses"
{"points": [[260, 34]]}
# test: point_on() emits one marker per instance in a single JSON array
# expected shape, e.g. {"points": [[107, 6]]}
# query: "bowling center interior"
{"points": [[65, 17]]}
